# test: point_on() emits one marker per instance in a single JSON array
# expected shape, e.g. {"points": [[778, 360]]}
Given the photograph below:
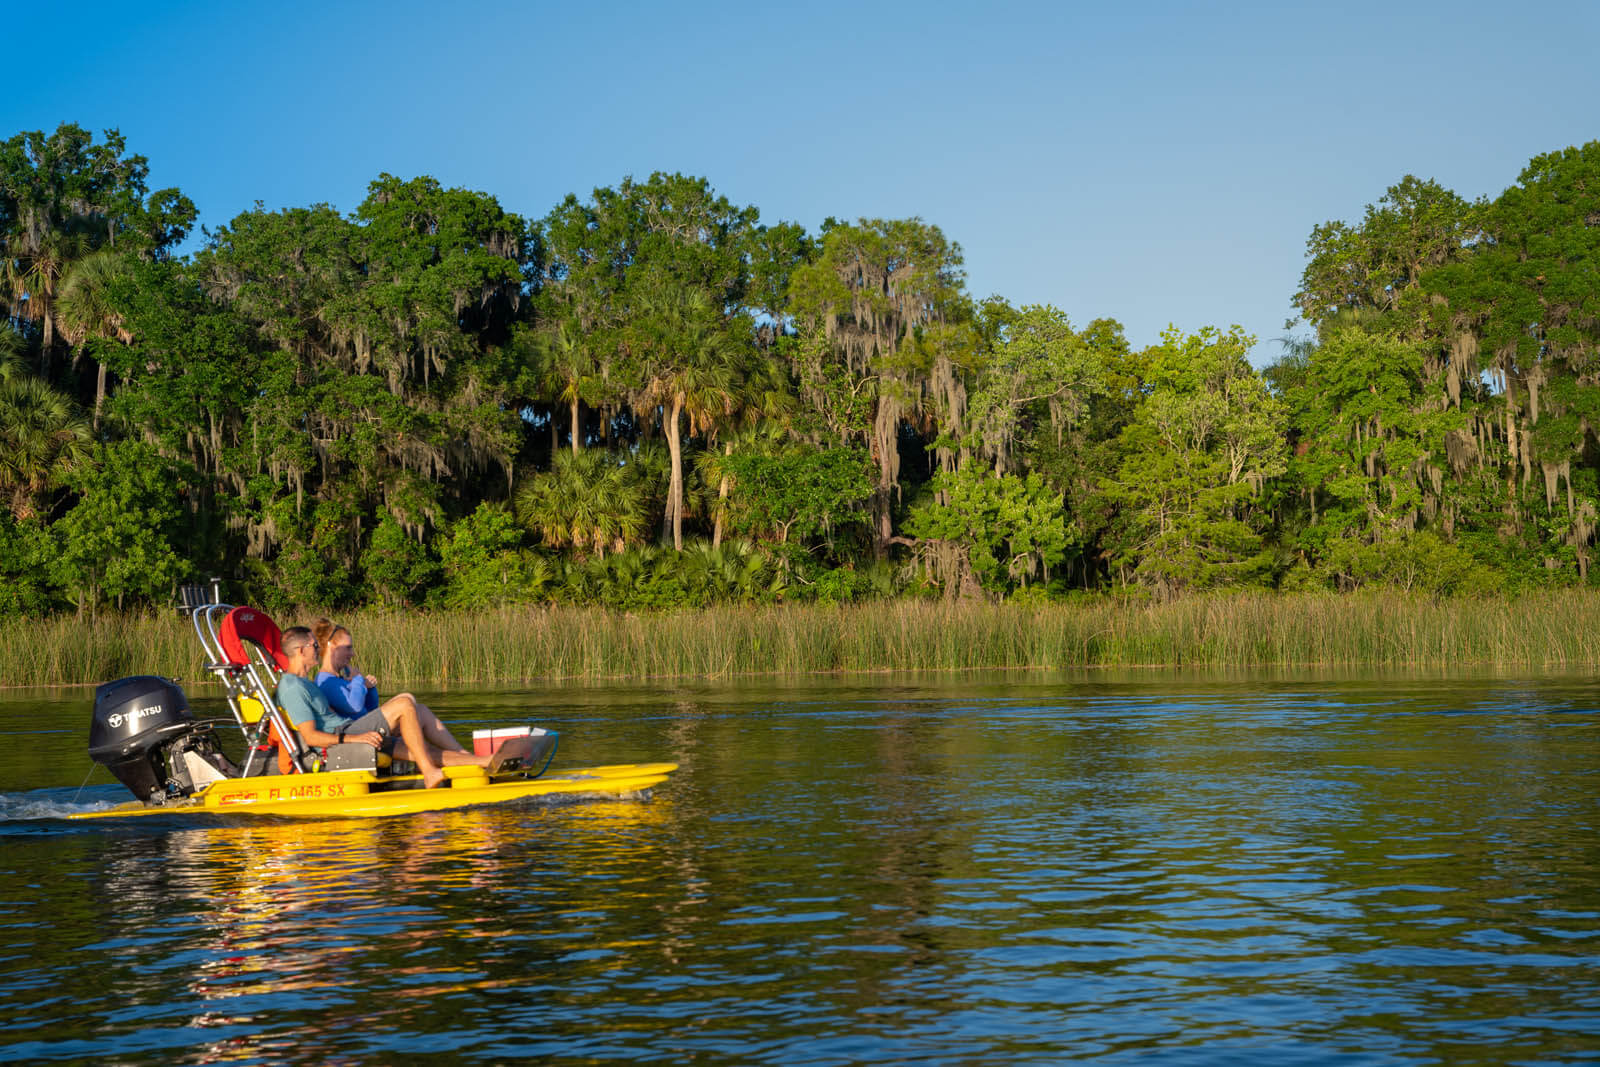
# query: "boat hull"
{"points": [[362, 794]]}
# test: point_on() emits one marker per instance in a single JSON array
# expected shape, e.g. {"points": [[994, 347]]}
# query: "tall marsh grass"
{"points": [[1555, 630]]}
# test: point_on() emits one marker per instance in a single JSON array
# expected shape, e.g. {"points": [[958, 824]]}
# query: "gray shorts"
{"points": [[370, 722]]}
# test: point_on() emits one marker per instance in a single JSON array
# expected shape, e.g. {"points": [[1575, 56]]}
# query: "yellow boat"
{"points": [[142, 731], [363, 794]]}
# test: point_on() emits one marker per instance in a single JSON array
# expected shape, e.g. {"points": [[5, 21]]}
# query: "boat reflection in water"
{"points": [[305, 929]]}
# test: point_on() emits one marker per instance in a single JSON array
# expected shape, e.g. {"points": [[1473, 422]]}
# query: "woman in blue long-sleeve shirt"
{"points": [[353, 694], [350, 693]]}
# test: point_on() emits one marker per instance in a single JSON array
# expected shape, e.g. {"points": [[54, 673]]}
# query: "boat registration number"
{"points": [[321, 791]]}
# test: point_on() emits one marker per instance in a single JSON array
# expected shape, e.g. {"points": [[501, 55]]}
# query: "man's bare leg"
{"points": [[401, 714]]}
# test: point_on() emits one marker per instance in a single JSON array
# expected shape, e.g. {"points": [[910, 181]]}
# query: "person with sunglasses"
{"points": [[394, 727]]}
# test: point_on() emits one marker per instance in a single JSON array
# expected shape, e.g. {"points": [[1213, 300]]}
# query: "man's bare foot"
{"points": [[434, 780]]}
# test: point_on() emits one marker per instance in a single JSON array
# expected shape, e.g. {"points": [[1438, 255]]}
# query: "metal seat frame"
{"points": [[255, 678]]}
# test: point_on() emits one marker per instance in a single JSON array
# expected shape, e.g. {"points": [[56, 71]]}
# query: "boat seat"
{"points": [[248, 624], [250, 711], [252, 649]]}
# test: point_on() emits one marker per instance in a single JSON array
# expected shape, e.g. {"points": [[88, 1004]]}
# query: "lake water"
{"points": [[1146, 868]]}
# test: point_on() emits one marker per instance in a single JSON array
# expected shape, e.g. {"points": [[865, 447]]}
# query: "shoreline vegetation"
{"points": [[649, 400], [1558, 629]]}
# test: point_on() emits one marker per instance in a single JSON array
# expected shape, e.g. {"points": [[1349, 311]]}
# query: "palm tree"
{"points": [[761, 409], [733, 571], [37, 258], [619, 578], [691, 361], [84, 310], [650, 466], [569, 371], [41, 438], [588, 500], [67, 197], [11, 349]]}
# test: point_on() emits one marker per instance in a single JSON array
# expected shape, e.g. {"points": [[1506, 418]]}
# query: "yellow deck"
{"points": [[359, 794]]}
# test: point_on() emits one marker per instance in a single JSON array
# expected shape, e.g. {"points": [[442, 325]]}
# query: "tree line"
{"points": [[650, 398]]}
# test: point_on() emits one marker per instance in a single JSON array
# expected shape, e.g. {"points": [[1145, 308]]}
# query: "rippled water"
{"points": [[990, 871]]}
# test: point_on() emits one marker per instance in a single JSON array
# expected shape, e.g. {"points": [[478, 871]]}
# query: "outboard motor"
{"points": [[143, 732]]}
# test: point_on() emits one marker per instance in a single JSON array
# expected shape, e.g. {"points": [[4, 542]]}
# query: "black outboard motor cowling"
{"points": [[134, 720]]}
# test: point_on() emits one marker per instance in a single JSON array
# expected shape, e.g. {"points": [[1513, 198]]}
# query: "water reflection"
{"points": [[277, 931]]}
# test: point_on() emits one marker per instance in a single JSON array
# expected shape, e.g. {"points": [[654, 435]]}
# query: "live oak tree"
{"points": [[1492, 304], [1377, 473], [880, 312], [1201, 447], [1523, 310], [798, 493], [982, 528], [1038, 374], [383, 384], [1377, 266], [117, 543], [483, 561]]}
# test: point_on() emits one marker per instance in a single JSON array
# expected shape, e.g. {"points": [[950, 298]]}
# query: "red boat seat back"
{"points": [[250, 624]]}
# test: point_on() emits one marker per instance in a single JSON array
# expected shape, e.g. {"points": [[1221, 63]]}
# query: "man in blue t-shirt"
{"points": [[319, 725]]}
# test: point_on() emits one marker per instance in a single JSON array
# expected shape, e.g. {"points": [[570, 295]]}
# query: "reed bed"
{"points": [[1557, 630]]}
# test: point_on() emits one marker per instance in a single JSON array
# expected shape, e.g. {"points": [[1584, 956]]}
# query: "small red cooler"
{"points": [[484, 742]]}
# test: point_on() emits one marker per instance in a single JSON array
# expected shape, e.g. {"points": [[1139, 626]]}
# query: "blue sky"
{"points": [[1156, 163]]}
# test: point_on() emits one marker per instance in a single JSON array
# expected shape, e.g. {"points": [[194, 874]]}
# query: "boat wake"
{"points": [[49, 804]]}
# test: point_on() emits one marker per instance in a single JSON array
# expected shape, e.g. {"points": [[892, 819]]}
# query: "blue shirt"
{"points": [[349, 697], [304, 702]]}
